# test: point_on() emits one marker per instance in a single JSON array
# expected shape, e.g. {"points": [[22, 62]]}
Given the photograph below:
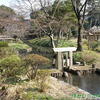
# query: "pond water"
{"points": [[89, 83]]}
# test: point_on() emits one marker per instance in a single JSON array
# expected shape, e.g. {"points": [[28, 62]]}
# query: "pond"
{"points": [[89, 83]]}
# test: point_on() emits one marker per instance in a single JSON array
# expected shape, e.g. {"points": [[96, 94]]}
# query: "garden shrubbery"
{"points": [[86, 56], [94, 45], [66, 43], [6, 51], [3, 44], [42, 79], [10, 66], [33, 62]]}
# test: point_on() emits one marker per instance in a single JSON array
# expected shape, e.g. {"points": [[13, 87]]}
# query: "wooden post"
{"points": [[59, 61], [71, 58], [67, 59]]}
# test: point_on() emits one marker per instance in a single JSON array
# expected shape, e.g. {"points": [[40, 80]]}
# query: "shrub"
{"points": [[86, 56], [3, 44], [85, 45], [19, 46], [10, 66], [41, 42], [78, 57], [42, 79], [6, 51], [94, 45], [89, 57], [97, 49], [66, 43], [33, 62]]}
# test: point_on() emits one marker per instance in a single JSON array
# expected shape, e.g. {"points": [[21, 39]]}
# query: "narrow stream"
{"points": [[89, 83]]}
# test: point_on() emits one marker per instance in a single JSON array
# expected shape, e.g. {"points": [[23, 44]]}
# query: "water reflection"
{"points": [[90, 83]]}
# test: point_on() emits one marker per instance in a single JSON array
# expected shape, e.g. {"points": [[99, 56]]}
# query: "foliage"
{"points": [[89, 57], [41, 46], [6, 51], [67, 43], [97, 49], [18, 46], [65, 10], [10, 66], [40, 96], [33, 62], [42, 79], [36, 96], [2, 29], [85, 44], [44, 42], [94, 5], [94, 45], [6, 12], [78, 57], [3, 44]]}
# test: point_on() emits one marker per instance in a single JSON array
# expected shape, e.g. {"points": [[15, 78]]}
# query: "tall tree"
{"points": [[79, 7]]}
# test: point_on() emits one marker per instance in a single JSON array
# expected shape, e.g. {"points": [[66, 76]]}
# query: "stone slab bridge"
{"points": [[64, 57]]}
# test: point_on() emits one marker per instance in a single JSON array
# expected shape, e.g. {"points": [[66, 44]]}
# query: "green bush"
{"points": [[85, 44], [78, 57], [19, 46], [94, 45], [89, 57], [66, 43], [3, 44], [41, 42], [10, 66], [42, 80], [97, 49], [33, 62]]}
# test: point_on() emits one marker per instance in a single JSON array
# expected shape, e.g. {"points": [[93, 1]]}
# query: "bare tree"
{"points": [[45, 22], [79, 7]]}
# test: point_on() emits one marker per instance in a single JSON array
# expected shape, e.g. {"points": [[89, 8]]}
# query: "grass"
{"points": [[18, 46], [40, 96], [67, 43], [44, 42]]}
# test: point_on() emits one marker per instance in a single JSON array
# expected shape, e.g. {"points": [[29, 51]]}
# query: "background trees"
{"points": [[93, 15], [53, 19], [79, 8]]}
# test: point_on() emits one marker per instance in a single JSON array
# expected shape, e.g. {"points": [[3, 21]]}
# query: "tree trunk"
{"points": [[79, 40], [52, 41]]}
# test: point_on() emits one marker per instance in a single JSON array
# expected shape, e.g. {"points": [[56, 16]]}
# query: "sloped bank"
{"points": [[60, 89], [57, 90]]}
